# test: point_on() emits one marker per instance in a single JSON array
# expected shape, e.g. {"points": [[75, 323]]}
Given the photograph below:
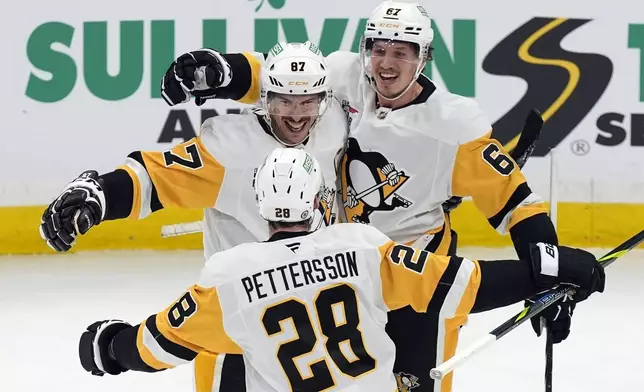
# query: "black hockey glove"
{"points": [[74, 212], [94, 347], [556, 318], [198, 73], [555, 265]]}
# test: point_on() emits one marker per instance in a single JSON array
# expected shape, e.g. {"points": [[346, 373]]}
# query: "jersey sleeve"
{"points": [[427, 282], [177, 334], [484, 171], [186, 176], [244, 85]]}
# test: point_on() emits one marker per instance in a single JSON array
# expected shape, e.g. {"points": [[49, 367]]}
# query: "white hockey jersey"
{"points": [[308, 312], [214, 171], [401, 165]]}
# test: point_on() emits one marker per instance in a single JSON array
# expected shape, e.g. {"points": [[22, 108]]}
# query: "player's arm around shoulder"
{"points": [[346, 71]]}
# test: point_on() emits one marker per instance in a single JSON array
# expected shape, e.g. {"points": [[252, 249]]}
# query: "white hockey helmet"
{"points": [[287, 184], [402, 21], [296, 69]]}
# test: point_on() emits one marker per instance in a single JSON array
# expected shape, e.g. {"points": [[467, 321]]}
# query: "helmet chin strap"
{"points": [[372, 83], [386, 98]]}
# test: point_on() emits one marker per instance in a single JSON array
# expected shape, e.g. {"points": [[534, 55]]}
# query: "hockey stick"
{"points": [[368, 191], [373, 188], [547, 299], [197, 226], [549, 348], [529, 137], [181, 229], [521, 152]]}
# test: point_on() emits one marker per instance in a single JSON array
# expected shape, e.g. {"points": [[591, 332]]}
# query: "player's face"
{"points": [[393, 66], [293, 115]]}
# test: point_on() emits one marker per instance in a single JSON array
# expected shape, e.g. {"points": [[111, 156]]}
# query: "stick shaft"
{"points": [[181, 229], [449, 365], [540, 304]]}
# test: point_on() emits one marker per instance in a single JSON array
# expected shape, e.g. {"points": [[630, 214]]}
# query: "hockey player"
{"points": [[214, 170], [308, 310], [211, 170], [411, 146]]}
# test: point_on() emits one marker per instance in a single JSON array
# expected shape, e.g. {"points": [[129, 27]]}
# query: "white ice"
{"points": [[47, 301]]}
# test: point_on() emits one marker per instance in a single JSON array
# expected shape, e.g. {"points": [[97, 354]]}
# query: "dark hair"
{"points": [[281, 225], [430, 51]]}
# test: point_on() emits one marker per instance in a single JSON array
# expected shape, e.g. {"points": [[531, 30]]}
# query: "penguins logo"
{"points": [[406, 382], [369, 183], [325, 207], [576, 81]]}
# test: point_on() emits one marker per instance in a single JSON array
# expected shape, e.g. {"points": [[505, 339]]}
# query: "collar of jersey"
{"points": [[282, 235], [427, 91]]}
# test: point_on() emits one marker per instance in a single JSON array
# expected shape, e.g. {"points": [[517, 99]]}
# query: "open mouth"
{"points": [[295, 126], [388, 78]]}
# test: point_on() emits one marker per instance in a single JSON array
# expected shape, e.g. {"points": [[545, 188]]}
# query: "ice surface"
{"points": [[47, 301]]}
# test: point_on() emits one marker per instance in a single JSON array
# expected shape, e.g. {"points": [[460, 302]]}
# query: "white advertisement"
{"points": [[82, 80]]}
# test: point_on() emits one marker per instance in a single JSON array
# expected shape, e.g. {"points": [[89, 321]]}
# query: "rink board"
{"points": [[579, 224]]}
